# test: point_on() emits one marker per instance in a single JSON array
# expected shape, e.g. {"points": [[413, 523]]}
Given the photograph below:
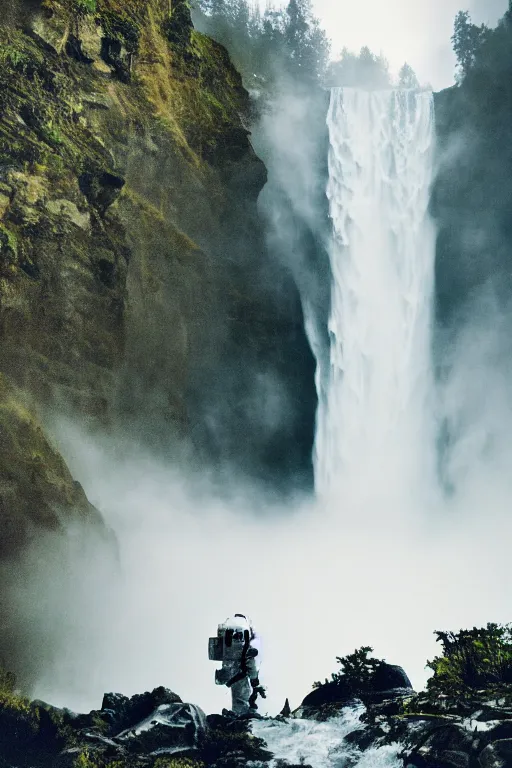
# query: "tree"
{"points": [[407, 77], [467, 40], [363, 70], [306, 43], [472, 659], [288, 41]]}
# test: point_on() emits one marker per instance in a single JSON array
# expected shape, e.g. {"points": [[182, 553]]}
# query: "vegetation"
{"points": [[478, 47], [280, 43], [472, 188], [357, 672], [364, 69], [19, 721], [289, 43], [468, 39], [471, 660], [225, 743]]}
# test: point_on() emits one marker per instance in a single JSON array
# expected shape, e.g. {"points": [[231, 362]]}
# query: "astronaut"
{"points": [[238, 647]]}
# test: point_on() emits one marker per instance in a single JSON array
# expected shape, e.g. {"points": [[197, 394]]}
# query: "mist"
{"points": [[405, 30], [319, 577]]}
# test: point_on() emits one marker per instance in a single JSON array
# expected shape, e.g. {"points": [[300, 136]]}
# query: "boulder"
{"points": [[451, 758], [448, 746], [498, 730], [489, 712], [123, 713], [101, 188], [389, 682], [498, 754], [169, 729], [389, 677], [330, 693]]}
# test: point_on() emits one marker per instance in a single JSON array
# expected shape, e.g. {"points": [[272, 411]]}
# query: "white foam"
{"points": [[322, 745]]}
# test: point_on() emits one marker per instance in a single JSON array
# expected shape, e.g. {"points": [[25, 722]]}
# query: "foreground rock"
{"points": [[140, 731], [389, 684], [431, 730], [158, 730]]}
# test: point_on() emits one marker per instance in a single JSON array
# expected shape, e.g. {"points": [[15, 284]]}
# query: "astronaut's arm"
{"points": [[251, 664]]}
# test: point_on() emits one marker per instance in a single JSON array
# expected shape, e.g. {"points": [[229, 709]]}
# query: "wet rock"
{"points": [[169, 729], [36, 487], [498, 754], [96, 101], [362, 738], [90, 34], [123, 713], [489, 712], [331, 693], [52, 30], [178, 27], [498, 731], [389, 684], [101, 188], [390, 676], [447, 746], [69, 211], [75, 51], [387, 703], [452, 759]]}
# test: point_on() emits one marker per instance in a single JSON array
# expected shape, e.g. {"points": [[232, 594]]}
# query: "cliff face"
{"points": [[472, 196], [136, 292], [135, 279]]}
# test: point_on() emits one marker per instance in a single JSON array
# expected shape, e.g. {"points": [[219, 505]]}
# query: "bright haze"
{"points": [[415, 31]]}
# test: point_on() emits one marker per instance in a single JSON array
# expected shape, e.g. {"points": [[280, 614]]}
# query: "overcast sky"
{"points": [[417, 31]]}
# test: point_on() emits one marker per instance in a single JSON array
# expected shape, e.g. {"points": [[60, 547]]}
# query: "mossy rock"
{"points": [[36, 485], [226, 738]]}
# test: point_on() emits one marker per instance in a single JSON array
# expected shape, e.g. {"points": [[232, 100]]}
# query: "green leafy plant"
{"points": [[85, 7], [472, 659], [357, 671]]}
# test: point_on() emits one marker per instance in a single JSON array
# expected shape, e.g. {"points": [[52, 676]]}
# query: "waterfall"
{"points": [[373, 429]]}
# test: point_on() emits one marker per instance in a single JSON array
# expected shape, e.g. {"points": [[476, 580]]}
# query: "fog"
{"points": [[318, 578], [405, 30]]}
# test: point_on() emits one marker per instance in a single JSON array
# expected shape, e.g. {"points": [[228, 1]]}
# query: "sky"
{"points": [[416, 31]]}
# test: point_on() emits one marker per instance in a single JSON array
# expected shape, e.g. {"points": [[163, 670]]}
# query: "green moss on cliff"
{"points": [[8, 251], [40, 109], [34, 478], [19, 720]]}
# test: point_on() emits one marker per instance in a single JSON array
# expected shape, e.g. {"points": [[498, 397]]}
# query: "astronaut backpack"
{"points": [[233, 638]]}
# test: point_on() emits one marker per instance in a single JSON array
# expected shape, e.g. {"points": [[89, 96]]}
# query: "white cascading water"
{"points": [[373, 426], [322, 744]]}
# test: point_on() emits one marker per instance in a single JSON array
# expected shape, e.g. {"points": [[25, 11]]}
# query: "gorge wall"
{"points": [[137, 295], [472, 194]]}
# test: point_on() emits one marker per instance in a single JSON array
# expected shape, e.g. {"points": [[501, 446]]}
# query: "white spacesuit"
{"points": [[238, 647]]}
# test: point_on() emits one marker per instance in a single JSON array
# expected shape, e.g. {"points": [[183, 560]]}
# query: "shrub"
{"points": [[472, 659], [357, 671]]}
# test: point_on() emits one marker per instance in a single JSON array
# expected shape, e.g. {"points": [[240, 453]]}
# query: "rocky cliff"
{"points": [[136, 292], [392, 728], [471, 199]]}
